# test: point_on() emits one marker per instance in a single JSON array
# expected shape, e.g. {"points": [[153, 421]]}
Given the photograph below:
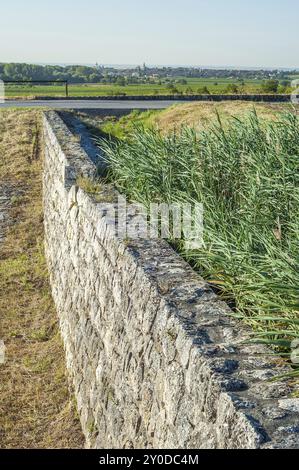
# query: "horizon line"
{"points": [[124, 65]]}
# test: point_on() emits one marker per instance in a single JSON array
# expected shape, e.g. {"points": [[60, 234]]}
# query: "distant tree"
{"points": [[188, 91], [270, 86], [232, 89], [284, 87], [172, 89], [203, 91], [285, 83], [118, 93], [93, 78], [74, 74], [121, 81], [282, 90]]}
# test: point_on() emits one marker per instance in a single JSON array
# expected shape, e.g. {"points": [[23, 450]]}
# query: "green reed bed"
{"points": [[246, 174]]}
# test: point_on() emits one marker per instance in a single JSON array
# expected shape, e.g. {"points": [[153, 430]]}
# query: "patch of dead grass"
{"points": [[37, 409]]}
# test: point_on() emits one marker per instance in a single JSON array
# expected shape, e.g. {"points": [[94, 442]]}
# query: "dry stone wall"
{"points": [[155, 357]]}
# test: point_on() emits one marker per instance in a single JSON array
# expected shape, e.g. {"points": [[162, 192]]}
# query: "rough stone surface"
{"points": [[155, 358], [291, 404]]}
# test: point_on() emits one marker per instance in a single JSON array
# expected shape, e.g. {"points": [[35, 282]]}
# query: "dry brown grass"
{"points": [[37, 409], [202, 114]]}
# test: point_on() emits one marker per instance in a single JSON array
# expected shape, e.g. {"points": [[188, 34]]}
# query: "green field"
{"points": [[99, 89]]}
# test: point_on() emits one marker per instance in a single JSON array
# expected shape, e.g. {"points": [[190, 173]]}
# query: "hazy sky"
{"points": [[192, 32]]}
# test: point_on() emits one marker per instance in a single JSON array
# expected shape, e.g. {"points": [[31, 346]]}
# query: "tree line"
{"points": [[71, 73]]}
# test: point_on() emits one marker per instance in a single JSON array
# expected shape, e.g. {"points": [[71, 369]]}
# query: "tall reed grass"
{"points": [[247, 177]]}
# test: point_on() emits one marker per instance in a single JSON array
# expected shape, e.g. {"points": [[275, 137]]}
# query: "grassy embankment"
{"points": [[246, 173], [196, 115], [36, 407]]}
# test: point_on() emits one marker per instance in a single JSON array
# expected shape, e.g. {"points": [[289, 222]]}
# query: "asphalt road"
{"points": [[88, 104]]}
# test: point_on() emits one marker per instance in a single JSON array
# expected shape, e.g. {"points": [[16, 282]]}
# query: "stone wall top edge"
{"points": [[64, 141]]}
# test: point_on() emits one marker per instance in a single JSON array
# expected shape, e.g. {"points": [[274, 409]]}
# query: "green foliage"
{"points": [[72, 73], [188, 91], [121, 81], [285, 83], [99, 81], [172, 89], [247, 177], [123, 127], [232, 89], [203, 90], [270, 86]]}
